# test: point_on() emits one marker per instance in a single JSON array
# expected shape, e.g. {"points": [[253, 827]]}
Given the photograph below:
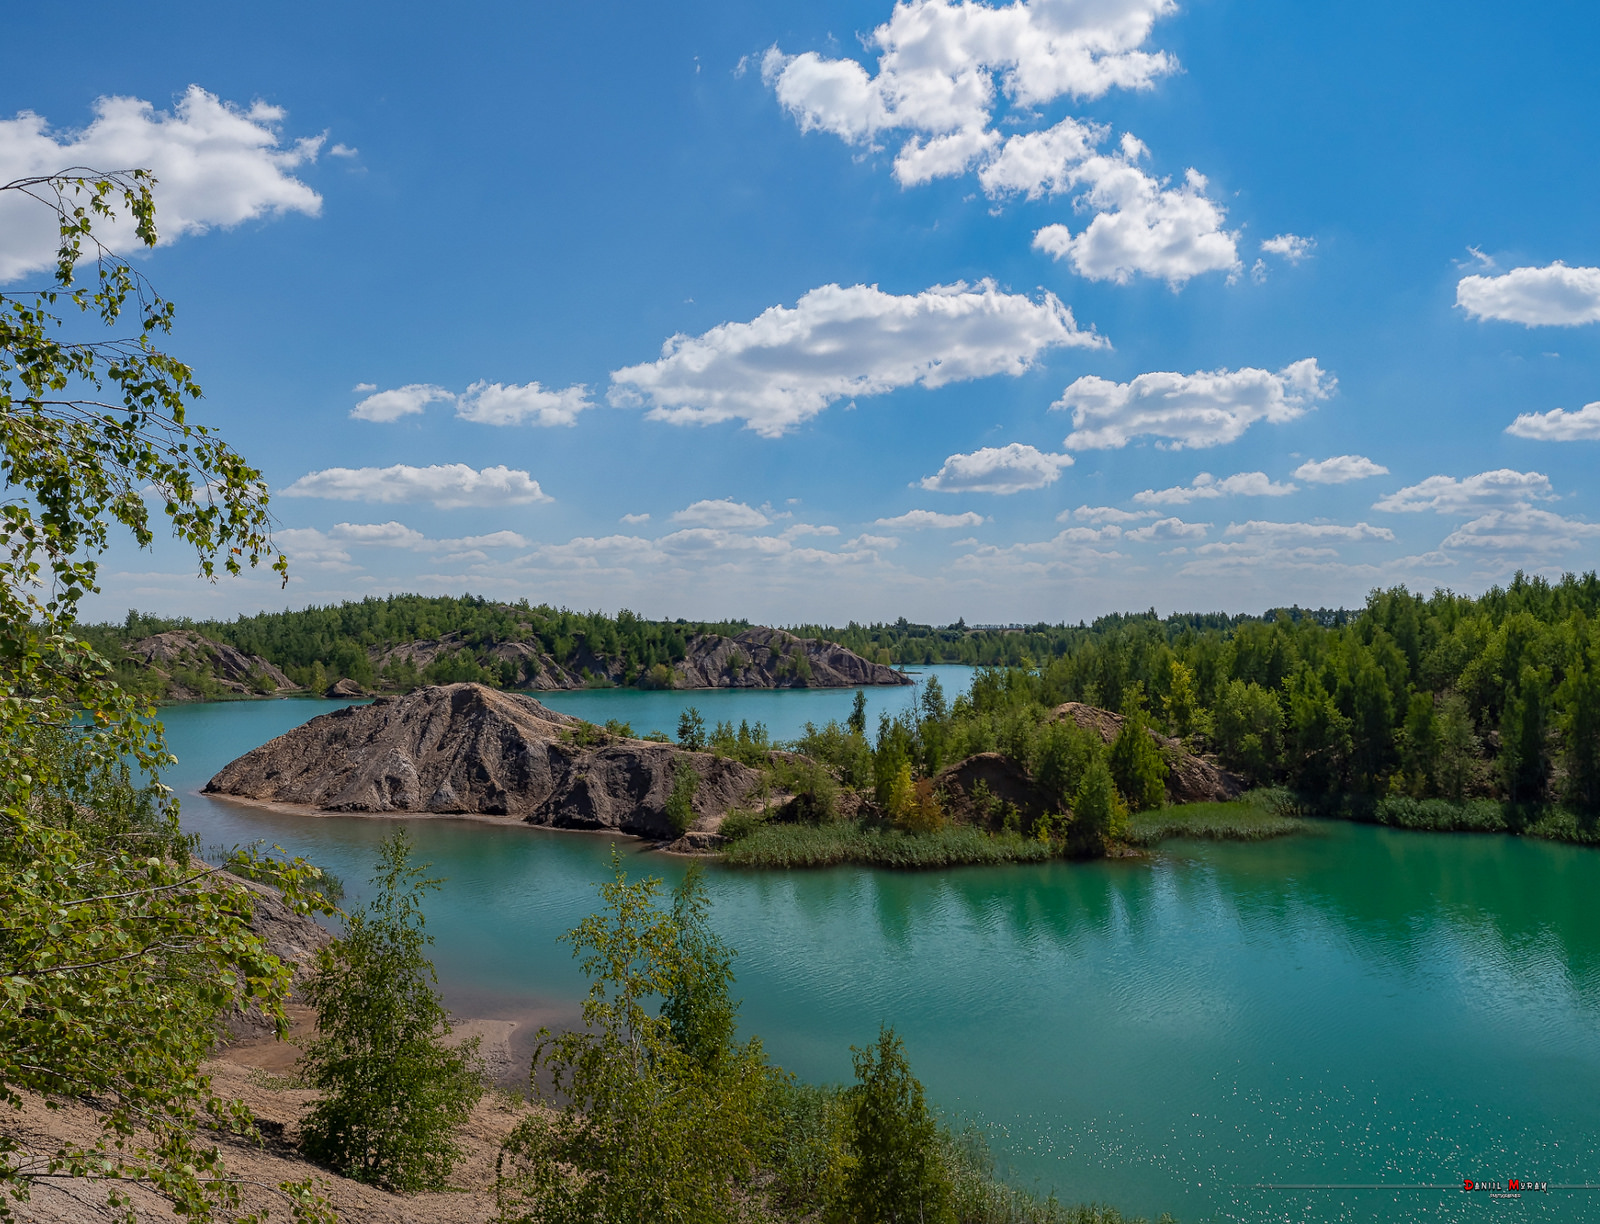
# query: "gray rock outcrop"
{"points": [[171, 654], [467, 749], [757, 658]]}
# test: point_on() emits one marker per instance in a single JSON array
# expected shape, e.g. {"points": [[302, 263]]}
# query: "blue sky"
{"points": [[1007, 312]]}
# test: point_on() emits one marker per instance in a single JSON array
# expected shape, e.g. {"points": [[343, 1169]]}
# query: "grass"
{"points": [[801, 845], [1486, 816], [1254, 817]]}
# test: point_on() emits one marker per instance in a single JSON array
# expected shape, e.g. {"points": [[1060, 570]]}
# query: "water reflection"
{"points": [[1352, 1006]]}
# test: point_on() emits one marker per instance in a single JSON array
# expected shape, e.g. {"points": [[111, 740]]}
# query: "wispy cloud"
{"points": [[918, 519], [1447, 495], [1206, 486], [448, 486]]}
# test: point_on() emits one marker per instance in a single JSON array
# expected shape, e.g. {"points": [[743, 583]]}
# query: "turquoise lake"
{"points": [[1358, 1005]]}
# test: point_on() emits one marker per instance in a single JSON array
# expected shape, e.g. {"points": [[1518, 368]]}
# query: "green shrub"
{"points": [[680, 803], [739, 824], [897, 1171], [1137, 765], [393, 1095]]}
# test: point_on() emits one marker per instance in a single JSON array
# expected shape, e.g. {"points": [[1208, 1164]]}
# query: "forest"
{"points": [[1440, 712], [1444, 696]]}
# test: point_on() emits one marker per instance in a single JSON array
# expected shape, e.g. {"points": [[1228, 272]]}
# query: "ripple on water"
{"points": [[1362, 1005]]}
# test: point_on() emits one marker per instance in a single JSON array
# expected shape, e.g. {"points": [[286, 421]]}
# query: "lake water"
{"points": [[1354, 1006]]}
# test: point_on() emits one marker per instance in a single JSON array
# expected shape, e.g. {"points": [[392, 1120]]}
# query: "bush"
{"points": [[692, 730], [680, 804], [654, 1116], [393, 1095], [816, 794], [1137, 765], [739, 824], [897, 1172], [1472, 816]]}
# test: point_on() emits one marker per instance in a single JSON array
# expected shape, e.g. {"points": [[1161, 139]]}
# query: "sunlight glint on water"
{"points": [[1360, 1005]]}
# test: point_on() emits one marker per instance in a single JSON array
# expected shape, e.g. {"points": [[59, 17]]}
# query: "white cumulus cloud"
{"points": [[1340, 469], [448, 486], [1289, 246], [216, 164], [1142, 226], [529, 404], [399, 402], [918, 519], [1521, 529], [790, 363], [1554, 296], [483, 402], [997, 469], [1207, 408], [1206, 486], [722, 513], [1447, 495], [942, 67], [1559, 425]]}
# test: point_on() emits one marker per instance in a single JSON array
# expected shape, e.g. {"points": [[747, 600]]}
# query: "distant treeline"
{"points": [[315, 646], [1442, 696], [338, 641]]}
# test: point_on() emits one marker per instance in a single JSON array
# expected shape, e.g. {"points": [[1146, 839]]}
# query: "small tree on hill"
{"points": [[393, 1094], [692, 730], [1136, 763], [680, 803], [898, 1175]]}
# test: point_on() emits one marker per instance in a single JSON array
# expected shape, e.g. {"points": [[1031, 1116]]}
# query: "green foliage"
{"points": [[1254, 817], [680, 803], [1137, 766], [658, 1114], [751, 745], [816, 794], [1248, 724], [739, 823], [857, 722], [1062, 753], [393, 1093], [691, 730], [119, 953], [1097, 810], [1524, 752], [1578, 703], [774, 845], [842, 749], [896, 1173]]}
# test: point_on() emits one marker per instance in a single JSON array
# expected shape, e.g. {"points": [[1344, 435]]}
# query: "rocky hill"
{"points": [[191, 667], [757, 658], [466, 749]]}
